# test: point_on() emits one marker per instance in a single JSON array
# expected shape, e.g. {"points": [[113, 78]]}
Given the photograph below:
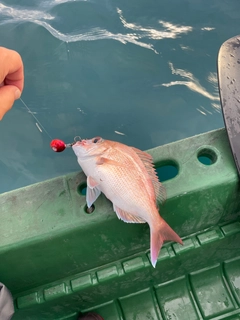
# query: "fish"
{"points": [[127, 177]]}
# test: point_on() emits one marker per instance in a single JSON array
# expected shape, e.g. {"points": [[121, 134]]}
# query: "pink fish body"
{"points": [[128, 179]]}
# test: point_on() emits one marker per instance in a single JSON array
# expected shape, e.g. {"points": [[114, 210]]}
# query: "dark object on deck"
{"points": [[90, 316]]}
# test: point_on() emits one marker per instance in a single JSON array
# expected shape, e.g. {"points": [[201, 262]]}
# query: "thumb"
{"points": [[8, 94]]}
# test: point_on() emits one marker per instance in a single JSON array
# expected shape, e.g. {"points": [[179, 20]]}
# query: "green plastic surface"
{"points": [[58, 260]]}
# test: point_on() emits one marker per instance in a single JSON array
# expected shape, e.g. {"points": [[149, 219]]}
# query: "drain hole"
{"points": [[82, 189], [89, 210], [207, 156], [167, 170]]}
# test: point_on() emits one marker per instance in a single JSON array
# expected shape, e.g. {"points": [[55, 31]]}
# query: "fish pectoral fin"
{"points": [[92, 195], [91, 182], [127, 217], [102, 160]]}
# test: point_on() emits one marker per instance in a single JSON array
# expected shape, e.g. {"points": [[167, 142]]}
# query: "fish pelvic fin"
{"points": [[92, 195], [91, 182], [160, 233], [92, 191], [127, 217]]}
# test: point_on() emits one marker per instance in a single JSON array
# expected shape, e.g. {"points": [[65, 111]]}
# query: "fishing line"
{"points": [[38, 123], [57, 145]]}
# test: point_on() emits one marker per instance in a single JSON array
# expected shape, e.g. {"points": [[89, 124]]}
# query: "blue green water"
{"points": [[142, 72]]}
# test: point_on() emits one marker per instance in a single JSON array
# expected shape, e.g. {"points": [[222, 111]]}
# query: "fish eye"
{"points": [[95, 140]]}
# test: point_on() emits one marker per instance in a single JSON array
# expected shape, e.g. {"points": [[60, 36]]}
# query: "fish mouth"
{"points": [[78, 143]]}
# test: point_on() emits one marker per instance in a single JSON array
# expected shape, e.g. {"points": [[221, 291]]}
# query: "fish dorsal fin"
{"points": [[160, 191], [127, 217]]}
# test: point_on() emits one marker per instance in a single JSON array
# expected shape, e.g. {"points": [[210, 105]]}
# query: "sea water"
{"points": [[142, 72]]}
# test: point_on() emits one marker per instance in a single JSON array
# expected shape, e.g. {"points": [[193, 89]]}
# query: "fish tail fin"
{"points": [[160, 233]]}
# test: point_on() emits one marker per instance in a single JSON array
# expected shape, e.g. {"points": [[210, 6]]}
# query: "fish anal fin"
{"points": [[127, 217], [159, 189]]}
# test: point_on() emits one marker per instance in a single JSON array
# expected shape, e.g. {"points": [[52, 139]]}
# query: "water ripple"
{"points": [[170, 31], [167, 29], [193, 83], [23, 14]]}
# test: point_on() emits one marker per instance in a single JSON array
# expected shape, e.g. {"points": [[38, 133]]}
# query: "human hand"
{"points": [[11, 79]]}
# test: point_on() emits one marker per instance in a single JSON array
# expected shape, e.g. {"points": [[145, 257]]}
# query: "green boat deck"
{"points": [[58, 260]]}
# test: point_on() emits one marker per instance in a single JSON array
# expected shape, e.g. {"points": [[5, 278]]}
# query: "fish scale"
{"points": [[130, 190]]}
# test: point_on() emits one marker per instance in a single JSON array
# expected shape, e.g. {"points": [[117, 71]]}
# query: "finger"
{"points": [[11, 71], [8, 94], [16, 79]]}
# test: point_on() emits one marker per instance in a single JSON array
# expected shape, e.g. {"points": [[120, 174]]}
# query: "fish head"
{"points": [[89, 147]]}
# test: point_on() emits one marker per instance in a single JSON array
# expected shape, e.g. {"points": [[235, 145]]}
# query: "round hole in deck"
{"points": [[207, 156], [167, 170], [89, 210], [82, 189]]}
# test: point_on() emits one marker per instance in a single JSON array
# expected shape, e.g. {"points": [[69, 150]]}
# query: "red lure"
{"points": [[58, 145]]}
